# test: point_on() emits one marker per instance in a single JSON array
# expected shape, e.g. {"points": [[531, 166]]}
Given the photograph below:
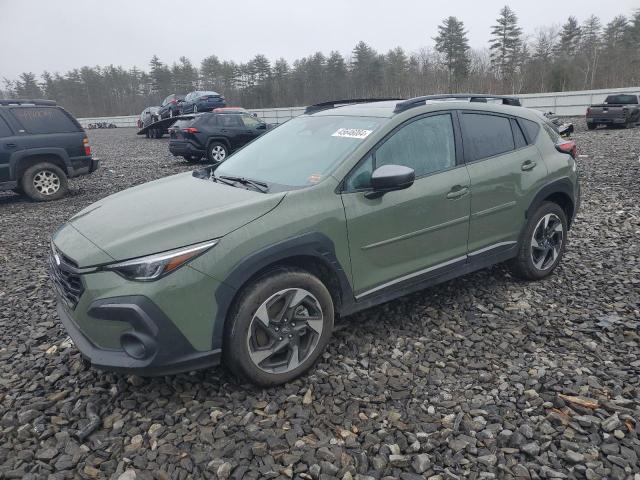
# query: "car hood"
{"points": [[166, 214]]}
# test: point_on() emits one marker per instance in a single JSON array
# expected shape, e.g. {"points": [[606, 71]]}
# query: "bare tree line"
{"points": [[574, 56]]}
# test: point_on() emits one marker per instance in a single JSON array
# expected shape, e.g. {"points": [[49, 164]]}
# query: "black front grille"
{"points": [[67, 283]]}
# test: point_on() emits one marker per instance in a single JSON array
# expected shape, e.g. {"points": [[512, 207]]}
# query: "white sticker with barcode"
{"points": [[352, 133]]}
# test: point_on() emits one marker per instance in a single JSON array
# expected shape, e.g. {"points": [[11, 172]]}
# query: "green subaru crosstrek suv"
{"points": [[350, 205]]}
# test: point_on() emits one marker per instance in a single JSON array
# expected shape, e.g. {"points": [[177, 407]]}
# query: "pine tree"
{"points": [[453, 44], [363, 69], [160, 77], [570, 38], [506, 43], [27, 87]]}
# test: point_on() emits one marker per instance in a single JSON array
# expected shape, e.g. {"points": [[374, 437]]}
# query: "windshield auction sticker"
{"points": [[352, 133]]}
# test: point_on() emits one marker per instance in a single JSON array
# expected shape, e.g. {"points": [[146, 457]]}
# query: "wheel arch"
{"points": [[312, 252], [222, 140], [559, 192], [20, 163]]}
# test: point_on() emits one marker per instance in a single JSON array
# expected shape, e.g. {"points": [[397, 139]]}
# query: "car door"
{"points": [[231, 126], [407, 235], [503, 169], [253, 128], [7, 147]]}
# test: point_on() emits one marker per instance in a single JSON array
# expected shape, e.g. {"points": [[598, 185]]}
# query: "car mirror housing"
{"points": [[388, 178]]}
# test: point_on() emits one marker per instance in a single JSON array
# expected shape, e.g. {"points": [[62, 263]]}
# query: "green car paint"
{"points": [[374, 242]]}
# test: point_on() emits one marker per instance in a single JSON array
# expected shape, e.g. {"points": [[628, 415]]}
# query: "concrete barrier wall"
{"points": [[561, 103]]}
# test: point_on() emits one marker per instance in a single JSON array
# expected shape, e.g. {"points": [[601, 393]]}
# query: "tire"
{"points": [[265, 354], [537, 262], [592, 126], [630, 124], [148, 134], [217, 152], [44, 182]]}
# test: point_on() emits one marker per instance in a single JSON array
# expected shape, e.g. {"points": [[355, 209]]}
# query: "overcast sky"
{"points": [[57, 35]]}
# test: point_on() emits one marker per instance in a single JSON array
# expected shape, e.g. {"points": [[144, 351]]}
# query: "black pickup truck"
{"points": [[41, 145], [622, 110]]}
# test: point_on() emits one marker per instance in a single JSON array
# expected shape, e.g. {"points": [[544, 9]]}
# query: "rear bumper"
{"points": [[179, 149], [83, 166], [606, 121], [152, 346]]}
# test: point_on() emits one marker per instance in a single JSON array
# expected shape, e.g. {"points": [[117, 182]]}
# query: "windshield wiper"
{"points": [[221, 180], [262, 187]]}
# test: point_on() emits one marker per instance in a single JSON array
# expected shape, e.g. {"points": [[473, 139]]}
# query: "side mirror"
{"points": [[388, 178], [262, 126]]}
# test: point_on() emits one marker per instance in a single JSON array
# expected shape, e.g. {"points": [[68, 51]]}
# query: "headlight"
{"points": [[158, 265]]}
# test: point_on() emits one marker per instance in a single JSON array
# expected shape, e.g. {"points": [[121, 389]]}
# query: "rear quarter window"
{"points": [[39, 120], [531, 129]]}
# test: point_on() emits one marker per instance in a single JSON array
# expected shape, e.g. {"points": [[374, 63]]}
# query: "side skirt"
{"points": [[474, 261]]}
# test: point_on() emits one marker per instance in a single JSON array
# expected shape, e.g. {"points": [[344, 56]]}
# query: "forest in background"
{"points": [[572, 56]]}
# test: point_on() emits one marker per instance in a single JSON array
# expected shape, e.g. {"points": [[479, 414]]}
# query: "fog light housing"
{"points": [[136, 346]]}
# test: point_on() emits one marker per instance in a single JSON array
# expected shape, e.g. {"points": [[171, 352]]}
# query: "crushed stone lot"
{"points": [[482, 377]]}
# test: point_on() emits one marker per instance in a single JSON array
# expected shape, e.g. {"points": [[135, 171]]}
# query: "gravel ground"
{"points": [[481, 377]]}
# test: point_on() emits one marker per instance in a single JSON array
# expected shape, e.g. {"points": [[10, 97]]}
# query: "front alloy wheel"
{"points": [[285, 330], [546, 242], [278, 327], [217, 152]]}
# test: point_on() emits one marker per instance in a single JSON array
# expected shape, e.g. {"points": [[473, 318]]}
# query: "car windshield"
{"points": [[301, 152]]}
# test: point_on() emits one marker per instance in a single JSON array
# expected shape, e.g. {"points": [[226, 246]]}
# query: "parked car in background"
{"points": [[202, 101], [41, 146], [621, 110], [214, 135], [249, 261], [170, 106], [148, 116]]}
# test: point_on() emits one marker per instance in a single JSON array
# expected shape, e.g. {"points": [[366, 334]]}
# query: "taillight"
{"points": [[173, 102], [87, 147], [190, 130], [568, 147]]}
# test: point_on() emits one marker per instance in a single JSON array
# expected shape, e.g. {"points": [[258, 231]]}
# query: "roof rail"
{"points": [[472, 97], [24, 101], [339, 103]]}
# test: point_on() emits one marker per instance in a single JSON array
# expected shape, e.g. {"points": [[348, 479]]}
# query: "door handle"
{"points": [[457, 191], [11, 145], [528, 165]]}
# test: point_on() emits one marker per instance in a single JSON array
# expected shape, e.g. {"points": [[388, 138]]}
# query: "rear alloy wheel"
{"points": [[543, 243], [195, 108], [217, 152], [279, 328], [44, 182]]}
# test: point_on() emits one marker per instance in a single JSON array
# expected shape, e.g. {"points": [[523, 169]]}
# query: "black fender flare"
{"points": [[561, 185], [313, 244], [61, 153], [219, 139]]}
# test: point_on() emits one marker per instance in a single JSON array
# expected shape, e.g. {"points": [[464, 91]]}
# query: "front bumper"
{"points": [[152, 345]]}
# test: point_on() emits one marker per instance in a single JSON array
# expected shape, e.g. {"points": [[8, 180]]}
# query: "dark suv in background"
{"points": [[171, 105], [213, 135], [41, 145], [202, 101]]}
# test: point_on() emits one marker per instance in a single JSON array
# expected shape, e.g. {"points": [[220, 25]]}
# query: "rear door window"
{"points": [[250, 122], [39, 120], [5, 131], [487, 135], [230, 121]]}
